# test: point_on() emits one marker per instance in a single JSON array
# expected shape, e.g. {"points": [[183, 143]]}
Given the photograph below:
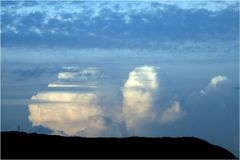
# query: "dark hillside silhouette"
{"points": [[23, 145]]}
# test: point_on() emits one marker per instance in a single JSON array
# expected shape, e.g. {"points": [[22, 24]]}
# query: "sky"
{"points": [[122, 68]]}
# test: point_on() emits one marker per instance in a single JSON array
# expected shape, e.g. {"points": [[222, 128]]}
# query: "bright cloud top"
{"points": [[215, 81]]}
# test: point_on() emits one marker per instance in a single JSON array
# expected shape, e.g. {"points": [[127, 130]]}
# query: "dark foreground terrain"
{"points": [[22, 145]]}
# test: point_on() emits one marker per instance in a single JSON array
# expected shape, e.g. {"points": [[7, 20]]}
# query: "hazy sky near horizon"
{"points": [[122, 68]]}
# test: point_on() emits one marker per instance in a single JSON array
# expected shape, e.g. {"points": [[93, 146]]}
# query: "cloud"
{"points": [[72, 114], [76, 77], [214, 82], [203, 91], [61, 85], [172, 113], [37, 30], [70, 118], [12, 29], [144, 77], [212, 6], [139, 105], [63, 20], [217, 79], [64, 97], [138, 94], [82, 74], [74, 68], [127, 19], [75, 112], [86, 113]]}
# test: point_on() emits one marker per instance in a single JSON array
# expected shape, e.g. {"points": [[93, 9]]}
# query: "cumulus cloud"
{"points": [[138, 103], [214, 82], [138, 94], [172, 113], [84, 114], [217, 79], [78, 113], [73, 114]]}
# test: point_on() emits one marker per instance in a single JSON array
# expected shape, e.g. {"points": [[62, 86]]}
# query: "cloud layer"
{"points": [[113, 24]]}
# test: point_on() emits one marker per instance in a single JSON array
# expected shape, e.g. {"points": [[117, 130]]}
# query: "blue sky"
{"points": [[118, 68]]}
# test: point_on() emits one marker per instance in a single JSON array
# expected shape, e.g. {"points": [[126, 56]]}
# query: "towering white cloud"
{"points": [[138, 95], [139, 92]]}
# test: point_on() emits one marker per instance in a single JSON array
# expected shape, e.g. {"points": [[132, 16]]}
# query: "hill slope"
{"points": [[23, 145]]}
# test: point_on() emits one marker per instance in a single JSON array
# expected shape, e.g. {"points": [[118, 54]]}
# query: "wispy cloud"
{"points": [[62, 85], [81, 74], [214, 82]]}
